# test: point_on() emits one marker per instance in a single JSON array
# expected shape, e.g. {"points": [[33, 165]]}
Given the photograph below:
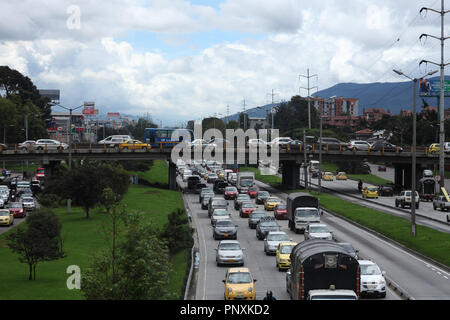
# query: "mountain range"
{"points": [[393, 96]]}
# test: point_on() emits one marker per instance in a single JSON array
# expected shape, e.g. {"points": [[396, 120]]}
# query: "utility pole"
{"points": [[309, 95], [305, 161], [245, 125], [442, 66], [320, 158], [414, 144]]}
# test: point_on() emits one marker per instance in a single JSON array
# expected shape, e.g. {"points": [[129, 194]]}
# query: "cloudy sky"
{"points": [[180, 60]]}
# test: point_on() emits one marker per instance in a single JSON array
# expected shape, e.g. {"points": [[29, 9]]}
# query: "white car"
{"points": [[359, 145], [49, 144], [273, 239], [219, 214], [372, 279], [317, 231], [28, 203], [109, 139], [27, 145], [229, 252], [281, 141]]}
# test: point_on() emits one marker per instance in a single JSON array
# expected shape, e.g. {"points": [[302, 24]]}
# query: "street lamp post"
{"points": [[69, 201], [413, 164]]}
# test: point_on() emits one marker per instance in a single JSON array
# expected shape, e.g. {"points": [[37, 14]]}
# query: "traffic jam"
{"points": [[316, 267]]}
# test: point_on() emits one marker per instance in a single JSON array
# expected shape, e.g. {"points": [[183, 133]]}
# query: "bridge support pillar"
{"points": [[172, 176], [290, 175], [49, 167]]}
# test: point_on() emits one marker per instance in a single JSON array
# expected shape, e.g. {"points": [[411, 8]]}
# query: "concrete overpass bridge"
{"points": [[290, 159]]}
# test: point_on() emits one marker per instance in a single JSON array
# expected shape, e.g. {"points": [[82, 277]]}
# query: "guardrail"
{"points": [[167, 147]]}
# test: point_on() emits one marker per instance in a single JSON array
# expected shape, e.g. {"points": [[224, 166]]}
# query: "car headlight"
{"points": [[230, 290], [250, 289], [382, 282], [283, 260]]}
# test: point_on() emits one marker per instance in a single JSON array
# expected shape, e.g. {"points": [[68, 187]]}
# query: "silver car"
{"points": [[317, 231], [28, 203], [273, 239], [49, 144], [219, 214], [229, 252]]}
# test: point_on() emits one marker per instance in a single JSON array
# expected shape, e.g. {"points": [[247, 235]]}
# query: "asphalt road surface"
{"points": [[209, 281]]}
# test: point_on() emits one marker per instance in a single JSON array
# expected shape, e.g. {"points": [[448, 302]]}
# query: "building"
{"points": [[363, 134], [59, 127], [375, 114], [342, 121], [336, 106]]}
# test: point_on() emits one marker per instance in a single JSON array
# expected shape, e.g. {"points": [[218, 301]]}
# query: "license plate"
{"points": [[230, 260], [225, 235]]}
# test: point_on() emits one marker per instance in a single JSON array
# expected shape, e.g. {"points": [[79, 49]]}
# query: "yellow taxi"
{"points": [[370, 192], [134, 145], [283, 255], [6, 217], [434, 148], [239, 284], [328, 176], [270, 203], [341, 176], [221, 175]]}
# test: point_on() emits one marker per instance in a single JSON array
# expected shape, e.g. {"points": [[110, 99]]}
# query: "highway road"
{"points": [[425, 215], [209, 281]]}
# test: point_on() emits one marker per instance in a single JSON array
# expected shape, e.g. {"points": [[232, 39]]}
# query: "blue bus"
{"points": [[162, 137]]}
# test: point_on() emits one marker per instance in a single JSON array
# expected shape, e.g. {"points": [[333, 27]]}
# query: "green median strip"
{"points": [[428, 242]]}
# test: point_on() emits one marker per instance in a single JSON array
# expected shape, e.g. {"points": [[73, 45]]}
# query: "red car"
{"points": [[17, 210], [382, 168], [252, 192], [247, 209], [280, 212], [230, 193]]}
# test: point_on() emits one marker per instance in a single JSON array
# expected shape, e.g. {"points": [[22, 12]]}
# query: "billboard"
{"points": [[432, 88], [113, 114]]}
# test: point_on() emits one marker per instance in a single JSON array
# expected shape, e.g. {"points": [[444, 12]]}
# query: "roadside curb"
{"points": [[190, 289]]}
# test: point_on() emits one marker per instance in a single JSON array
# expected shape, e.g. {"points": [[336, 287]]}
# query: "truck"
{"points": [[244, 181], [302, 209], [426, 188], [321, 265]]}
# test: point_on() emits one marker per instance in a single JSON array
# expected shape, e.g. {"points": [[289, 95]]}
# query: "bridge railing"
{"points": [[314, 148]]}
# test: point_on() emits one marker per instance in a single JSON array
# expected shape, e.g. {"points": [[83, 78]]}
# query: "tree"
{"points": [[213, 123], [85, 184], [16, 84], [39, 241], [137, 270], [177, 232], [138, 130]]}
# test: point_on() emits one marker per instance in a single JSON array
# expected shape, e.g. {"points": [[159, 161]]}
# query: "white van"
{"points": [[115, 140], [110, 138]]}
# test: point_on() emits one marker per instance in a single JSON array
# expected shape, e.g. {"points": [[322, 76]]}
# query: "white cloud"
{"points": [[352, 41]]}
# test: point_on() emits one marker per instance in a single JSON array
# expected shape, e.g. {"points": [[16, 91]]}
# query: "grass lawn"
{"points": [[273, 181], [158, 175], [429, 242], [82, 238], [367, 178]]}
